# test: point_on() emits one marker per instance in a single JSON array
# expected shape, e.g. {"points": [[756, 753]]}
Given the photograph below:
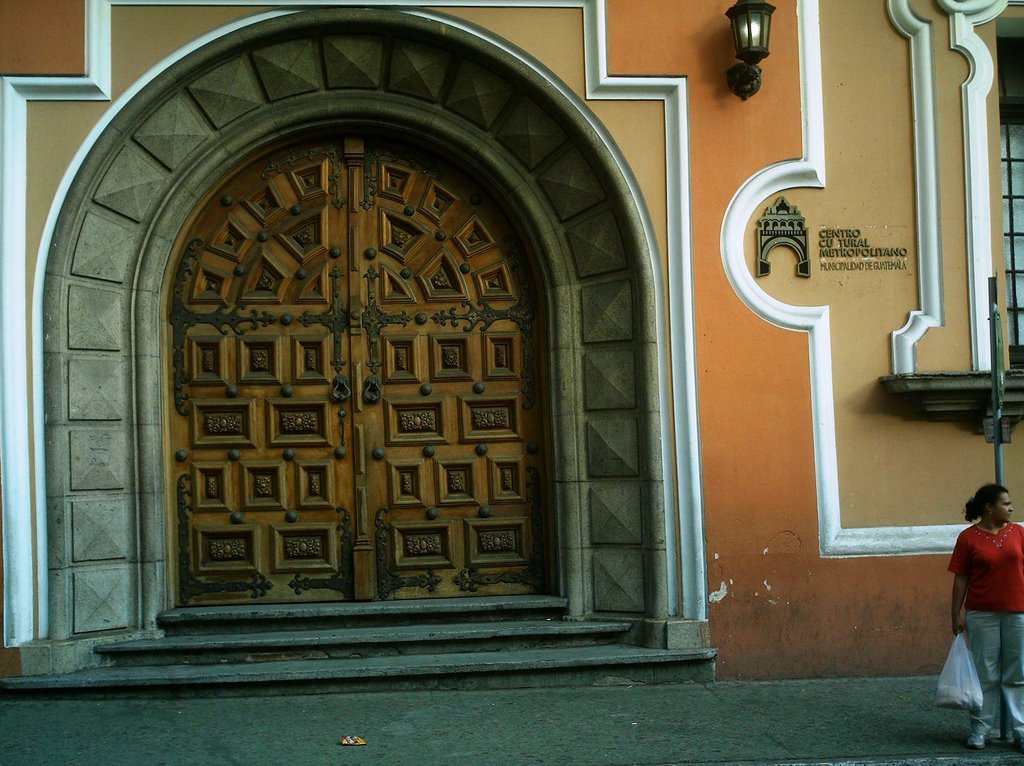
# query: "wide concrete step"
{"points": [[357, 614], [349, 643], [582, 665]]}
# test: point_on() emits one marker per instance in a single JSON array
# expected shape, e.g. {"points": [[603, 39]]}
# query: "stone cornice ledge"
{"points": [[958, 395]]}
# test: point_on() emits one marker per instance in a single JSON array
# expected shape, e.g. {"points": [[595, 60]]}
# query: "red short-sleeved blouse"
{"points": [[994, 565]]}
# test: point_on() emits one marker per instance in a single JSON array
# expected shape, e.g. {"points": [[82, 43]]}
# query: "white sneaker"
{"points": [[976, 741]]}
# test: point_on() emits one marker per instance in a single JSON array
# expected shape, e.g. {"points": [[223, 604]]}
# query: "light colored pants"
{"points": [[997, 638]]}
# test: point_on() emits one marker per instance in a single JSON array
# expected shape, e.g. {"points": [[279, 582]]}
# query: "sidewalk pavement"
{"points": [[835, 721]]}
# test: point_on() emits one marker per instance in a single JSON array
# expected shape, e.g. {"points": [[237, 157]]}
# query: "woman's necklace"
{"points": [[991, 528]]}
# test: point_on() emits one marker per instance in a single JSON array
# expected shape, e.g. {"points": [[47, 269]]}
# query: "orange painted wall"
{"points": [[859, 616], [42, 37]]}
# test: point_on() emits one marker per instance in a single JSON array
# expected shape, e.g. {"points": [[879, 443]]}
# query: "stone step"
{"points": [[274, 617], [341, 643], [602, 664]]}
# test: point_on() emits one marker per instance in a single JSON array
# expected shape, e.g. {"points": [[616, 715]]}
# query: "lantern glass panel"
{"points": [[754, 26], [766, 29]]}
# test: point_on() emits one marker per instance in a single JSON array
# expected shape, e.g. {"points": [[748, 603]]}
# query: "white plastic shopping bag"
{"points": [[959, 686]]}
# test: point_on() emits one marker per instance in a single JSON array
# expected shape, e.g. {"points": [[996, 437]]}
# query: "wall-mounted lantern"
{"points": [[751, 28]]}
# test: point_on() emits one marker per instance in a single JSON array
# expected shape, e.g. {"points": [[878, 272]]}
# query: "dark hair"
{"points": [[988, 494]]}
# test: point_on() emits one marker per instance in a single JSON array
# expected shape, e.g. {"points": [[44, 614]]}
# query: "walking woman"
{"points": [[988, 569]]}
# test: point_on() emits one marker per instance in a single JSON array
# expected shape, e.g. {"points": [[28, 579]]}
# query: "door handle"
{"points": [[372, 389], [341, 387]]}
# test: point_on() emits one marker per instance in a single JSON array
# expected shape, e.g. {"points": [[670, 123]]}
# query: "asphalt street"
{"points": [[839, 721]]}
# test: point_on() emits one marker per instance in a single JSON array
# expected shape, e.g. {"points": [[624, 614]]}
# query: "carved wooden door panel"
{"points": [[356, 401]]}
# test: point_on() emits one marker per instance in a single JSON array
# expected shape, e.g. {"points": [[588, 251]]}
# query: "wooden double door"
{"points": [[355, 383]]}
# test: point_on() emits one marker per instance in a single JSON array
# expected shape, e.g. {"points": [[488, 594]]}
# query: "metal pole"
{"points": [[998, 383], [998, 376]]}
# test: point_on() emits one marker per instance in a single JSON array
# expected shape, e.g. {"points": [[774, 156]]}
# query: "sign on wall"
{"points": [[840, 248]]}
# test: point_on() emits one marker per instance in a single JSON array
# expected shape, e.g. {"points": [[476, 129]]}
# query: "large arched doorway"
{"points": [[355, 390], [159, 169]]}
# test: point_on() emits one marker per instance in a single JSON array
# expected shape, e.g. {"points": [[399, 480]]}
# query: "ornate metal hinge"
{"points": [[374, 320], [189, 584], [486, 315], [182, 318], [388, 579], [470, 579], [342, 580]]}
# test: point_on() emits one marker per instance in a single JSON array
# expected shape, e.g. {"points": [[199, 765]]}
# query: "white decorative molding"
{"points": [[809, 171], [24, 517], [964, 16], [26, 591], [982, 10], [926, 188]]}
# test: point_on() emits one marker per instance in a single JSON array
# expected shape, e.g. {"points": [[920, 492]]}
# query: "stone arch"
{"points": [[400, 72]]}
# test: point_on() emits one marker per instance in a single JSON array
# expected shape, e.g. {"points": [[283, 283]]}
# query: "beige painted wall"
{"points": [[870, 186]]}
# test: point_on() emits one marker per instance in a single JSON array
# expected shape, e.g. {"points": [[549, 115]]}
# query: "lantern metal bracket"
{"points": [[744, 79]]}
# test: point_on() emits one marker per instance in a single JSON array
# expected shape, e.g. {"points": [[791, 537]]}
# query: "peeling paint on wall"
{"points": [[785, 541], [715, 596]]}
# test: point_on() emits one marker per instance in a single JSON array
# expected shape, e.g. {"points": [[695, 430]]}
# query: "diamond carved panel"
{"points": [[607, 312], [288, 69], [100, 599], [103, 250], [96, 389], [95, 319], [418, 70], [478, 94], [570, 184], [99, 529], [615, 516], [227, 92], [596, 244], [618, 580], [99, 459], [353, 61], [172, 132], [131, 184], [612, 446], [609, 377], [530, 133]]}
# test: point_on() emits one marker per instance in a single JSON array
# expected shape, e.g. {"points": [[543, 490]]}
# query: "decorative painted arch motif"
{"points": [[411, 76]]}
